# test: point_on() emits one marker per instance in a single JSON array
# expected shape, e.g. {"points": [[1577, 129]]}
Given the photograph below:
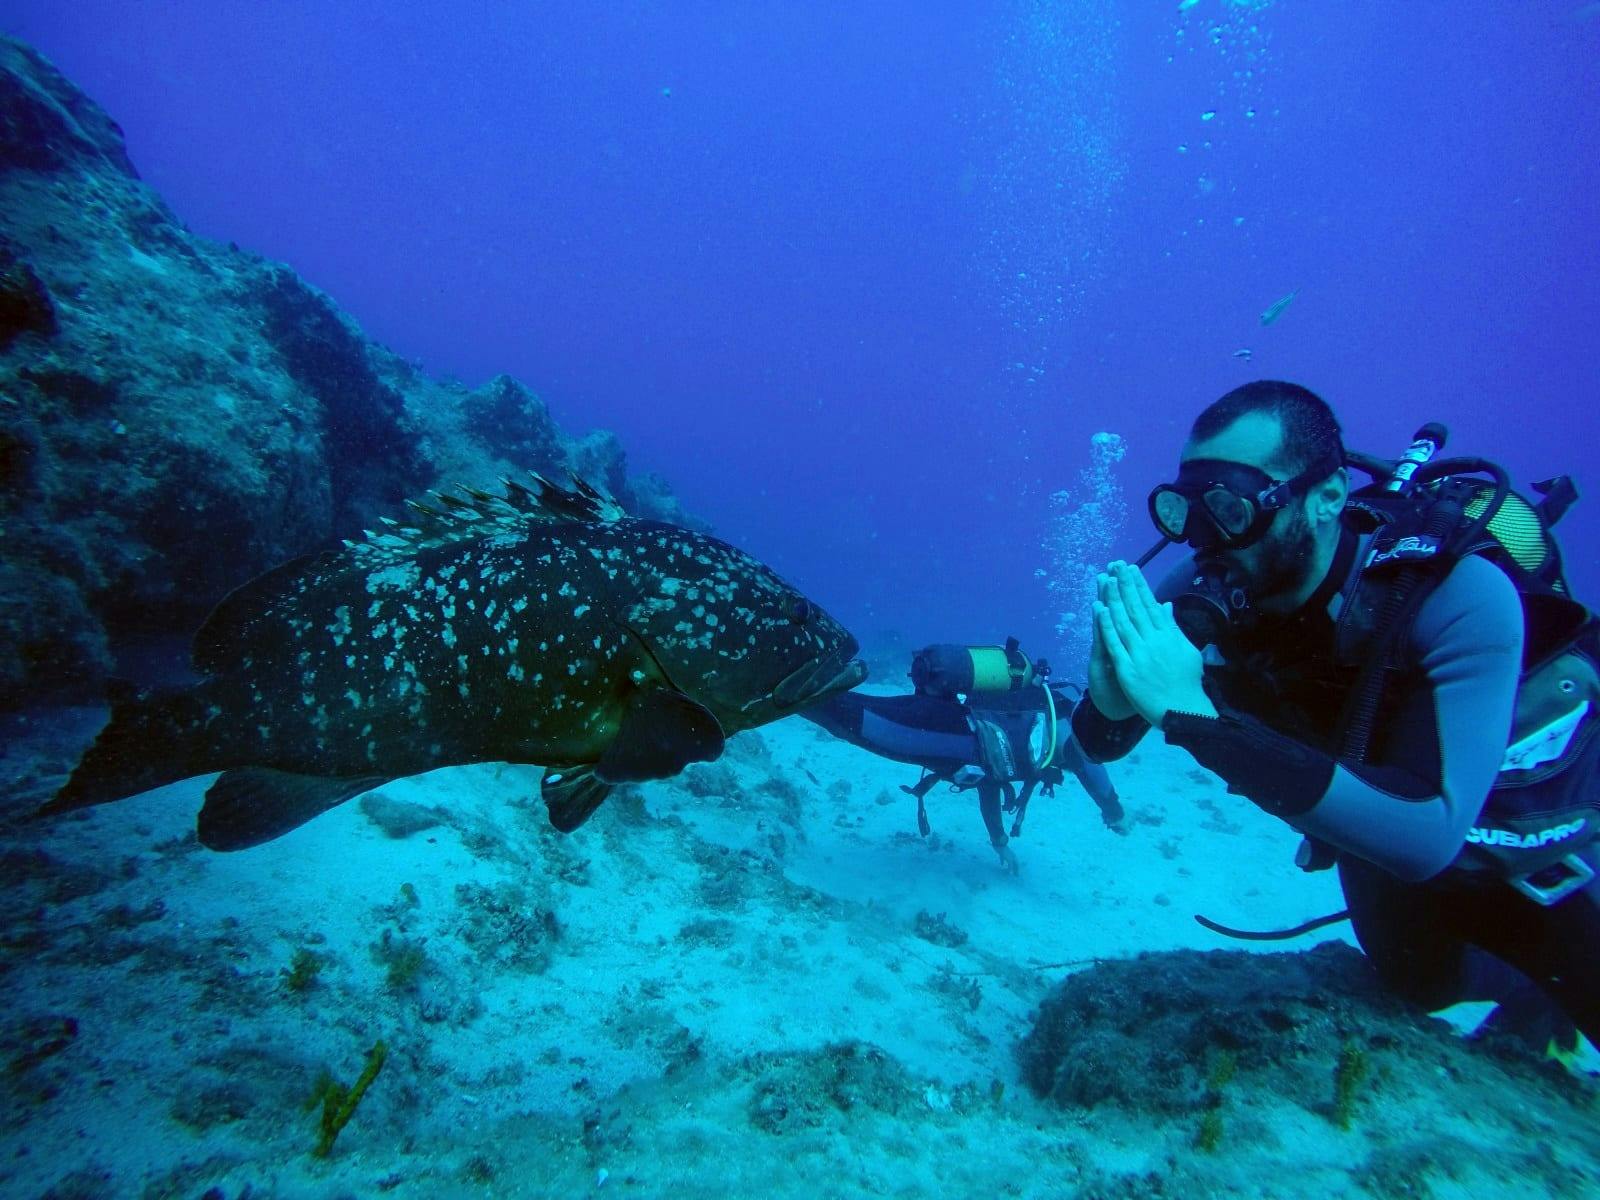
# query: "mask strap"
{"points": [[1281, 494]]}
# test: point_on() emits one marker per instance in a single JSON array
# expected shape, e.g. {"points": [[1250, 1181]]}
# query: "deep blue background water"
{"points": [[862, 285]]}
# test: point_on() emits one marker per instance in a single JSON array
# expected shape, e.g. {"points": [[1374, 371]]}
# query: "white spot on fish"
{"points": [[397, 577]]}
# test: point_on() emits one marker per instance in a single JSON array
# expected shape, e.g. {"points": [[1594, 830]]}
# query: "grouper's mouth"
{"points": [[838, 672]]}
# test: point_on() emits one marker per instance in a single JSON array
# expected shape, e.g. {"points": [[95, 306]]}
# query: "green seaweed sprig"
{"points": [[300, 976], [1208, 1136], [1350, 1074], [339, 1102]]}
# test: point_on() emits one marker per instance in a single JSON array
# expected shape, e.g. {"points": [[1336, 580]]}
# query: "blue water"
{"points": [[863, 285]]}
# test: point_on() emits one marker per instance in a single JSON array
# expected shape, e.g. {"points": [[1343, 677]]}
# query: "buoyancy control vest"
{"points": [[1545, 801]]}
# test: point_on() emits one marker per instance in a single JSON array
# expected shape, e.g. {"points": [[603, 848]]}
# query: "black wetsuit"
{"points": [[1398, 822], [936, 734]]}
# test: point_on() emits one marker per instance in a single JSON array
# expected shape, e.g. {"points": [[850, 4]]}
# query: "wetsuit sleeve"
{"points": [[1102, 739], [1410, 815]]}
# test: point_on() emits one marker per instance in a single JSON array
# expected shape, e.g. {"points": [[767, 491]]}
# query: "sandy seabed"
{"points": [[756, 976]]}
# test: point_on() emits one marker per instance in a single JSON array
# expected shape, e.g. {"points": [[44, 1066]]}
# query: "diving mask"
{"points": [[1215, 504]]}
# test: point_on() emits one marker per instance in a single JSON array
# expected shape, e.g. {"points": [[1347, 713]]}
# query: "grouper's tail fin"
{"points": [[154, 737]]}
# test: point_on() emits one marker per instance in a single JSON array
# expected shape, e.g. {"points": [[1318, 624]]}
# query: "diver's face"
{"points": [[1277, 565], [1279, 562]]}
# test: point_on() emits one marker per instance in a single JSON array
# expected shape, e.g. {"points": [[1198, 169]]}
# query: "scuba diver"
{"points": [[981, 718], [1400, 674]]}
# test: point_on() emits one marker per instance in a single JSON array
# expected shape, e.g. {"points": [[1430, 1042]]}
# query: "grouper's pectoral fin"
{"points": [[251, 805], [662, 732], [571, 796]]}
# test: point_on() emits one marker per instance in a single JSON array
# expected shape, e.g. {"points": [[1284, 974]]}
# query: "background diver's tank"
{"points": [[951, 671]]}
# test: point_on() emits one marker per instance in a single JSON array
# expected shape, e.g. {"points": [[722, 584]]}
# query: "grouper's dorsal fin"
{"points": [[241, 626], [446, 517], [225, 632]]}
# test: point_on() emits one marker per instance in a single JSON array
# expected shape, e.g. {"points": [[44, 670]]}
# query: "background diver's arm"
{"points": [[1094, 778], [990, 797], [1409, 815]]}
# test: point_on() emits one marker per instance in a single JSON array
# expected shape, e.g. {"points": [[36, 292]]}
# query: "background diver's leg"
{"points": [[990, 796]]}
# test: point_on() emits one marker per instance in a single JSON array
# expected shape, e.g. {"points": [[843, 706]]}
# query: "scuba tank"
{"points": [[950, 672]]}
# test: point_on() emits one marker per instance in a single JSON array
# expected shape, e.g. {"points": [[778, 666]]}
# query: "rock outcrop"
{"points": [[177, 415]]}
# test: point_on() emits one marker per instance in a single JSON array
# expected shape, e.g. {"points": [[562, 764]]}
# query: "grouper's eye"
{"points": [[800, 611]]}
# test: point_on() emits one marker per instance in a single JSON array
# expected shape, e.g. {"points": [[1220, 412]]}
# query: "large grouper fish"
{"points": [[542, 625]]}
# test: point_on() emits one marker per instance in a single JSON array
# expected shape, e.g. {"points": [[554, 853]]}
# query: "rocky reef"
{"points": [[177, 415], [1240, 1050]]}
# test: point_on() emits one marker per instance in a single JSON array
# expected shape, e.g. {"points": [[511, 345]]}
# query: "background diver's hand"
{"points": [[1104, 689], [1158, 669], [1008, 860]]}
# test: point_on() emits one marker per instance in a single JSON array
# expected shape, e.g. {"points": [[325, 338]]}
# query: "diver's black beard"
{"points": [[1285, 560]]}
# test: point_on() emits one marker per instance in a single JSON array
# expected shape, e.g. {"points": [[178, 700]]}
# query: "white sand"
{"points": [[777, 913]]}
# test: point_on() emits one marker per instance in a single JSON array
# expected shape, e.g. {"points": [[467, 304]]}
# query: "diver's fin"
{"points": [[154, 737], [662, 732], [251, 805], [571, 796]]}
